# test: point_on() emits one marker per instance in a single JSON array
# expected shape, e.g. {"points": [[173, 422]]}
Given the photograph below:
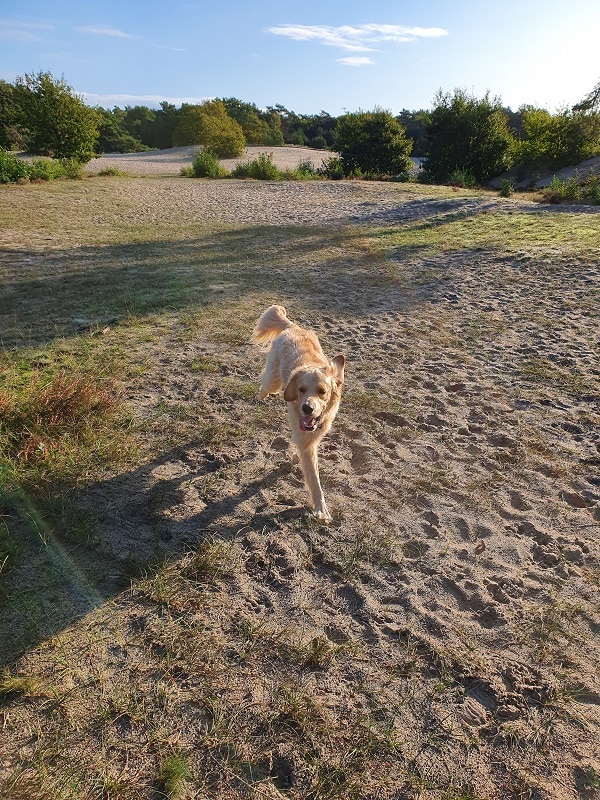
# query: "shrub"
{"points": [[332, 168], [556, 140], [12, 168], [206, 165], [319, 142], [208, 124], [573, 190], [304, 171], [260, 168], [72, 168], [462, 177], [507, 187], [45, 169], [111, 172]]}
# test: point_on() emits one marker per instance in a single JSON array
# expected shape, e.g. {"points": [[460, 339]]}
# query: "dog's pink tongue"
{"points": [[307, 423]]}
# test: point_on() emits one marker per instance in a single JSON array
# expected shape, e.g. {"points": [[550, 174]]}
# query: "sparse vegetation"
{"points": [[206, 165], [171, 623], [14, 169], [573, 190]]}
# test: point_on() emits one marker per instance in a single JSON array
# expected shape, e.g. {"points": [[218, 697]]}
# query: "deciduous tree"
{"points": [[466, 135], [372, 143], [57, 121]]}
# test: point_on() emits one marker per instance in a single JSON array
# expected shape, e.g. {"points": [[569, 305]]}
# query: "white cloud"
{"points": [[106, 30], [150, 100], [167, 47], [355, 38], [355, 61], [16, 31]]}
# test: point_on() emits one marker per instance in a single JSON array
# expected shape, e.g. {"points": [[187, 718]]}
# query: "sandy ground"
{"points": [[460, 575], [170, 162]]}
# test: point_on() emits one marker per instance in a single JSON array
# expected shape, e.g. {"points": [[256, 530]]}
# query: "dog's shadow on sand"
{"points": [[134, 522]]}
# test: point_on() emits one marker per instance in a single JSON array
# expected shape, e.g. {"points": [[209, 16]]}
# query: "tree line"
{"points": [[462, 138]]}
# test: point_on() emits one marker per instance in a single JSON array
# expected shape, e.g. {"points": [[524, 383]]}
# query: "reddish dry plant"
{"points": [[34, 426]]}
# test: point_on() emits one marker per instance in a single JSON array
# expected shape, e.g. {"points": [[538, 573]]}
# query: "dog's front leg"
{"points": [[310, 468]]}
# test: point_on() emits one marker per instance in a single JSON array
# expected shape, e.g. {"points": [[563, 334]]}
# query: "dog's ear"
{"points": [[291, 390], [337, 363]]}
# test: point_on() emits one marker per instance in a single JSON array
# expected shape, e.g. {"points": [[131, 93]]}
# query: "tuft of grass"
{"points": [[174, 772], [57, 431], [212, 561], [111, 172], [44, 418], [16, 684]]}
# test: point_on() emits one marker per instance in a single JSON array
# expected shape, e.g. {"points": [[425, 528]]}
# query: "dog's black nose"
{"points": [[307, 408]]}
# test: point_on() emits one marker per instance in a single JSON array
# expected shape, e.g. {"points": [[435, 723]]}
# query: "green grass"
{"points": [[506, 232]]}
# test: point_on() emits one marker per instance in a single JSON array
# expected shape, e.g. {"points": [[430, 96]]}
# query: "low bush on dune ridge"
{"points": [[206, 165], [573, 190], [14, 169]]}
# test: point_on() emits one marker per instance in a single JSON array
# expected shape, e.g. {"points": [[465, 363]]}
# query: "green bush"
{"points": [[332, 168], [111, 172], [206, 165], [304, 171], [45, 169], [72, 168], [507, 187], [208, 124], [573, 190], [260, 168], [556, 140], [12, 168], [463, 178]]}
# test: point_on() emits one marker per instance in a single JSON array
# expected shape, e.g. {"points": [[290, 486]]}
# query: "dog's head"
{"points": [[315, 391]]}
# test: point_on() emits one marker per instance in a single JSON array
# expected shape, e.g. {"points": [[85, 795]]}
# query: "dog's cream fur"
{"points": [[311, 385]]}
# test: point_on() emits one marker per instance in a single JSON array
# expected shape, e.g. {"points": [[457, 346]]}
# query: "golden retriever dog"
{"points": [[311, 385]]}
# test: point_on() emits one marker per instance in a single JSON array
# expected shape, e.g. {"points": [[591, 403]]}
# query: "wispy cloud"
{"points": [[106, 30], [167, 47], [17, 31], [355, 61], [355, 38], [150, 100]]}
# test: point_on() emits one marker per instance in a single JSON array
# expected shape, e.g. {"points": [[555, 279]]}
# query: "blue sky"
{"points": [[336, 56]]}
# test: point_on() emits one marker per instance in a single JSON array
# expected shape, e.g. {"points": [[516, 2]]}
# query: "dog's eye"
{"points": [[322, 390], [302, 389]]}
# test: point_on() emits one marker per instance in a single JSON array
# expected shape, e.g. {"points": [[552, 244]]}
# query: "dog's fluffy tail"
{"points": [[270, 324]]}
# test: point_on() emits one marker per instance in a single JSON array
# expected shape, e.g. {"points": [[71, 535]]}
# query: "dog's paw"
{"points": [[322, 514]]}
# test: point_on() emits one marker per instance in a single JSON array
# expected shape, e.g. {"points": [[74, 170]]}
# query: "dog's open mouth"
{"points": [[309, 424]]}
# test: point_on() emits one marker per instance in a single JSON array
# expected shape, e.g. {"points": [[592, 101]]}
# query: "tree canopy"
{"points": [[56, 122], [468, 135], [372, 143], [209, 124]]}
